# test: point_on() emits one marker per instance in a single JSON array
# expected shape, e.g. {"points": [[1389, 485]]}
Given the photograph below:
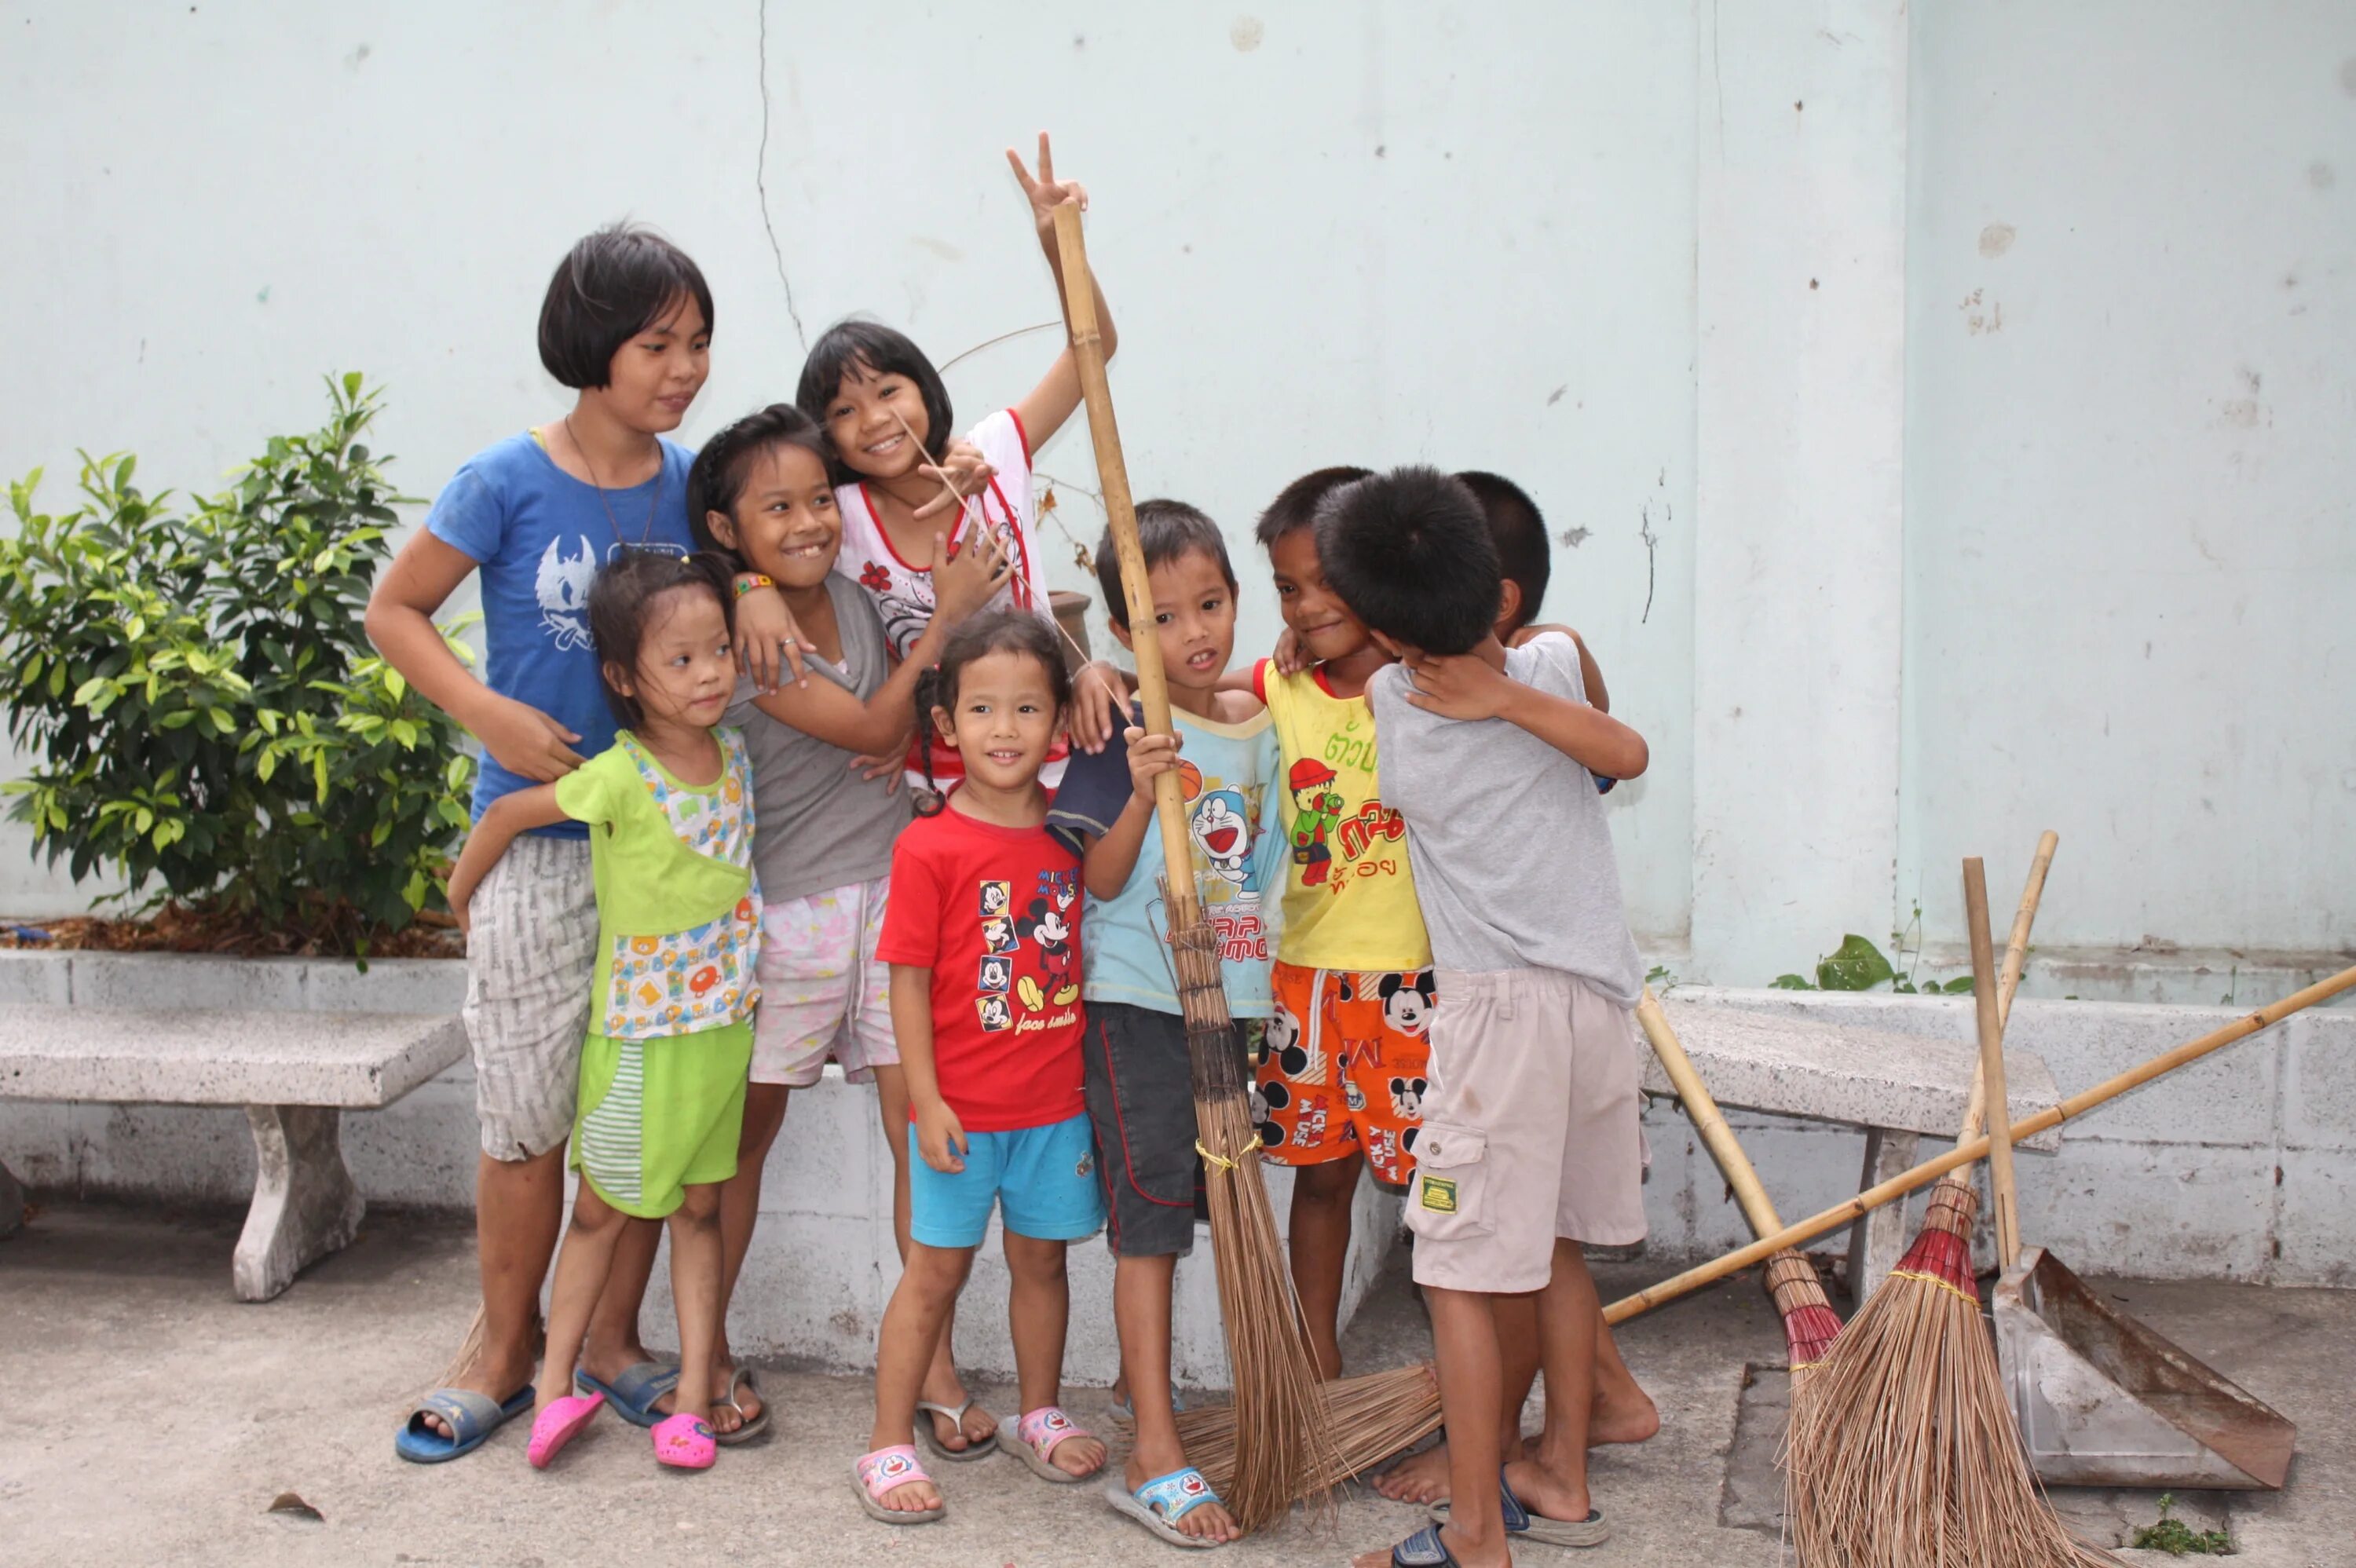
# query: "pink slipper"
{"points": [[684, 1443], [561, 1421]]}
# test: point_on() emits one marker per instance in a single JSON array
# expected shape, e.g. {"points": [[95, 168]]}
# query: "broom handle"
{"points": [[1930, 1170], [2016, 954], [1708, 1120], [1112, 477], [1991, 1029]]}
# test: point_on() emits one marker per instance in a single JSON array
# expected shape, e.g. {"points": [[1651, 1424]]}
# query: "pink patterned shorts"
{"points": [[822, 991]]}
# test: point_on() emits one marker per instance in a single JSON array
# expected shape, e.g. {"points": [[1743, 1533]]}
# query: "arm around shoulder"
{"points": [[502, 822]]}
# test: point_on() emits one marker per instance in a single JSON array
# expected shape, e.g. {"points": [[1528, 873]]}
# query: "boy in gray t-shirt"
{"points": [[1529, 1146]]}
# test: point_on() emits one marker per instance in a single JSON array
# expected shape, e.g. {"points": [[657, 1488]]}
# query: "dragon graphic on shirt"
{"points": [[561, 586]]}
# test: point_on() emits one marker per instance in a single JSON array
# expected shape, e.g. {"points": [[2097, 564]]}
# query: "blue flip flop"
{"points": [[1424, 1548], [634, 1389], [1521, 1524], [473, 1417]]}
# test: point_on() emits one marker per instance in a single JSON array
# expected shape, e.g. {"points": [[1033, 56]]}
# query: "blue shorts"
{"points": [[1045, 1178]]}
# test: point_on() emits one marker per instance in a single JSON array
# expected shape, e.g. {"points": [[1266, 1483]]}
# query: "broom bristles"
{"points": [[1904, 1451], [1371, 1417]]}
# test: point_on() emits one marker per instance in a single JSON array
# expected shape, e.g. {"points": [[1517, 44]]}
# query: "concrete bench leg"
{"points": [[1878, 1241], [12, 1202], [305, 1205]]}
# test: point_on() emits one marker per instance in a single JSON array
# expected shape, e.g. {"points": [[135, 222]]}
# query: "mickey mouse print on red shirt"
{"points": [[994, 914]]}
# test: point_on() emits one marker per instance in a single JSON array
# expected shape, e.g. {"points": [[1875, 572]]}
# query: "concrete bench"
{"points": [[294, 1072], [1895, 1086]]}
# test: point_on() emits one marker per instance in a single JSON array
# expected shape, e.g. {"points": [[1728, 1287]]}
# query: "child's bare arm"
{"points": [[1465, 685], [1046, 406], [940, 1137], [1111, 858], [517, 812], [1591, 674]]}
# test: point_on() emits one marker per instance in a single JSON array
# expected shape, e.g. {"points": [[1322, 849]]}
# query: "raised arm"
{"points": [[1112, 857], [515, 813], [1466, 686], [400, 622], [1046, 406]]}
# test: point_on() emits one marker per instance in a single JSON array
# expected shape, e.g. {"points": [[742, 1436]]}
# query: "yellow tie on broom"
{"points": [[1907, 1454], [1281, 1442]]}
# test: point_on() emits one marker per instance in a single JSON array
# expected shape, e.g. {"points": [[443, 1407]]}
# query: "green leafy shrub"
{"points": [[1856, 965], [212, 725], [2177, 1537]]}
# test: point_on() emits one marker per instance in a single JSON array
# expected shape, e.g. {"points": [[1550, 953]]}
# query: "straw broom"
{"points": [[1914, 1457], [1281, 1444]]}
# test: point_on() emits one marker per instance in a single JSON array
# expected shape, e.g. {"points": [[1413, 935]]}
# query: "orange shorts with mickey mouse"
{"points": [[1341, 1066]]}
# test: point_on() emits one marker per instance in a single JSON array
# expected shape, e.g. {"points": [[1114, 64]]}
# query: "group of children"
{"points": [[688, 887]]}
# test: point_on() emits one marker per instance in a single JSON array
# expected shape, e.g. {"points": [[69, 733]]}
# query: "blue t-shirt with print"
{"points": [[1227, 773], [538, 535]]}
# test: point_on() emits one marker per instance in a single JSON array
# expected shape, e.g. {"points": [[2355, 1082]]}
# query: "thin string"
{"points": [[653, 503]]}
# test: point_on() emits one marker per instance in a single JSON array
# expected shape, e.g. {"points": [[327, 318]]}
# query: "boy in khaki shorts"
{"points": [[1530, 1147]]}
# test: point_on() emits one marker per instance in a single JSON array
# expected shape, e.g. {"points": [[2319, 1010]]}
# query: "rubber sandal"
{"points": [[1162, 1501], [974, 1448], [560, 1424], [752, 1427], [473, 1417], [1521, 1524], [634, 1390], [684, 1443], [1424, 1548], [1038, 1434], [887, 1470]]}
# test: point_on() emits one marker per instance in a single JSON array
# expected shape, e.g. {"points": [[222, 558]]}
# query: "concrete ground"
{"points": [[147, 1417]]}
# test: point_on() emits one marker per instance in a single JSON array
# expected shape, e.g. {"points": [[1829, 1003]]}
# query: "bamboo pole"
{"points": [[2016, 957], [1702, 1110], [1984, 986], [1121, 515], [1930, 1170]]}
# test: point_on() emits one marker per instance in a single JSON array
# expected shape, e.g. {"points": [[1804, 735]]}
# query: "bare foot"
{"points": [[746, 1408], [911, 1497], [1632, 1418], [607, 1362], [1079, 1457], [1204, 1522], [1417, 1479], [491, 1373]]}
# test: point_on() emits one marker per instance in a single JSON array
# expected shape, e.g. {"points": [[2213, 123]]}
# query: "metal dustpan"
{"points": [[2105, 1402]]}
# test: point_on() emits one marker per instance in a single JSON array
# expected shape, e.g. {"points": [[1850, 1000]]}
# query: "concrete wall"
{"points": [[1939, 410]]}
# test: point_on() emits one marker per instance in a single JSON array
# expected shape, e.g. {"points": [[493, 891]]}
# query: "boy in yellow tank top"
{"points": [[1341, 1069]]}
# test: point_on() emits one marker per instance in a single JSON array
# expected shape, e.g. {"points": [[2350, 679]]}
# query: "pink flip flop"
{"points": [[561, 1421], [684, 1443]]}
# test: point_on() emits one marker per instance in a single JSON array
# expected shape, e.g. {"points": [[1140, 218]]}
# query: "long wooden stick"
{"points": [[1708, 1119], [1930, 1170], [1984, 985], [2016, 957], [1120, 515]]}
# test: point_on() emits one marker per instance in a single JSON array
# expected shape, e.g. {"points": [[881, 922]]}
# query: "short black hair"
{"points": [[978, 637], [1295, 507], [1410, 554], [1165, 530], [623, 591], [1523, 553], [611, 286], [879, 350], [717, 480]]}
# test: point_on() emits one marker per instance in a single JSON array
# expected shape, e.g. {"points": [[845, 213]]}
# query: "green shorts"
{"points": [[659, 1116]]}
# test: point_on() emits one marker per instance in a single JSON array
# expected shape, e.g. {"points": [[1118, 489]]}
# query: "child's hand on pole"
{"points": [[940, 1137], [963, 469], [1457, 686], [525, 742], [1150, 756], [1045, 192]]}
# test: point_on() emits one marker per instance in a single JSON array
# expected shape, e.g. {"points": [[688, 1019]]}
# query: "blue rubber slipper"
{"points": [[1162, 1501], [1424, 1548], [1521, 1524], [473, 1417], [634, 1390]]}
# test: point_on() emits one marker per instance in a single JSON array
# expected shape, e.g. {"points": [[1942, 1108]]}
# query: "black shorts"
{"points": [[1141, 1102]]}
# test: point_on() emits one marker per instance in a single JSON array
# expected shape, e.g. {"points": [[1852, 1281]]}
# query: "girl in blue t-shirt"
{"points": [[626, 324]]}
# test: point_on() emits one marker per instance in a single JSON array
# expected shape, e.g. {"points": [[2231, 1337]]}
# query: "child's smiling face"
{"points": [[1315, 612], [863, 418], [1005, 721], [1194, 618], [785, 525], [653, 379]]}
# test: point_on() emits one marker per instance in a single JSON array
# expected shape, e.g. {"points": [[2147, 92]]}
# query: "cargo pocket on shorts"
{"points": [[1449, 1199]]}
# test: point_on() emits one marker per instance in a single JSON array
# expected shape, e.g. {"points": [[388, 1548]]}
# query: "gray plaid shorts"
{"points": [[531, 953]]}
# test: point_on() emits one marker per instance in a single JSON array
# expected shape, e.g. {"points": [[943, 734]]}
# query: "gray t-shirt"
{"points": [[1512, 861], [816, 823]]}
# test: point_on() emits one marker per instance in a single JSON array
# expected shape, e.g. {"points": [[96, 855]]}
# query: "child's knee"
{"points": [[698, 1206], [939, 1273], [592, 1215], [1037, 1262], [1331, 1184]]}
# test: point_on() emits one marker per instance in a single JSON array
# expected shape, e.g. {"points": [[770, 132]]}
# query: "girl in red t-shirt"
{"points": [[985, 1004]]}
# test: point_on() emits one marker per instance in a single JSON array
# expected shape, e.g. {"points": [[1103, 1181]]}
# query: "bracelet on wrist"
{"points": [[748, 580]]}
